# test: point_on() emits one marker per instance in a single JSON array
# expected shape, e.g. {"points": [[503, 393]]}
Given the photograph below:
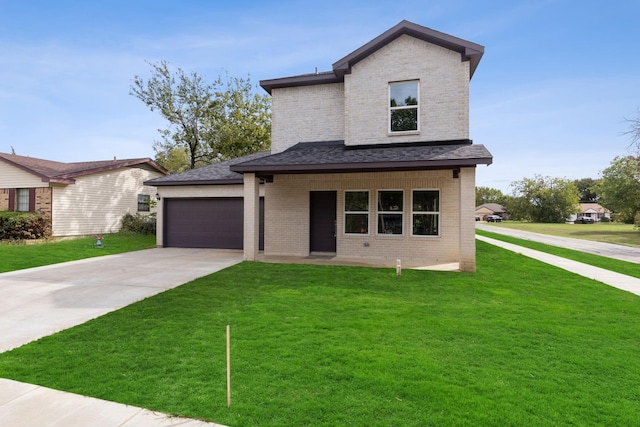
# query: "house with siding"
{"points": [[80, 198], [371, 161]]}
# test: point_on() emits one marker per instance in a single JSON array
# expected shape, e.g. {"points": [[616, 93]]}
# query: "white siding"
{"points": [[12, 177], [96, 203]]}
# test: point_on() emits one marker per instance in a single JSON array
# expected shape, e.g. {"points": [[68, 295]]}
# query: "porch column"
{"points": [[251, 239], [467, 181]]}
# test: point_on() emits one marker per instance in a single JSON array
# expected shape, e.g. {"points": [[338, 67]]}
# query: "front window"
{"points": [[144, 203], [403, 106], [22, 199], [356, 212], [390, 208], [426, 212]]}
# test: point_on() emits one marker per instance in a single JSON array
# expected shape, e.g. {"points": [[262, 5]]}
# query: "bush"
{"points": [[24, 226], [138, 223]]}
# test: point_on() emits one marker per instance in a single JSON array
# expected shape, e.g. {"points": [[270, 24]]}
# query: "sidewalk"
{"points": [[617, 280]]}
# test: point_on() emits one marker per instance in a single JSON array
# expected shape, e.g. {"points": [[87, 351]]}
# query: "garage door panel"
{"points": [[204, 223]]}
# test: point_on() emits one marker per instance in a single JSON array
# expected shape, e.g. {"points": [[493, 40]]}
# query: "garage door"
{"points": [[206, 223]]}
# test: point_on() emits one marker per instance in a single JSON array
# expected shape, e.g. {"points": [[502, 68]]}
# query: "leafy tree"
{"points": [[207, 121], [586, 189], [619, 187], [544, 199], [489, 195]]}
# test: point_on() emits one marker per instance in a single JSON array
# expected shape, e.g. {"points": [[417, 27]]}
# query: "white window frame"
{"points": [[404, 107], [146, 199], [367, 213], [390, 212], [436, 213], [22, 199]]}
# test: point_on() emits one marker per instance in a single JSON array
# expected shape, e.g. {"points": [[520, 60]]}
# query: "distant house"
{"points": [[80, 198], [371, 160], [592, 210], [491, 209]]}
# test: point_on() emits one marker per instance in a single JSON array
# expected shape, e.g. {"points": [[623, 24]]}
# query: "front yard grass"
{"points": [[517, 343], [619, 266], [20, 256], [609, 232]]}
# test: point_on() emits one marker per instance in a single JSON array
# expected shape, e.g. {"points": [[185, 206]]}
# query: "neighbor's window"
{"points": [[22, 199], [390, 208], [403, 106], [426, 212], [144, 203], [356, 212]]}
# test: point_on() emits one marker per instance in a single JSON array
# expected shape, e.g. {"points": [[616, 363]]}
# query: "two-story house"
{"points": [[370, 161]]}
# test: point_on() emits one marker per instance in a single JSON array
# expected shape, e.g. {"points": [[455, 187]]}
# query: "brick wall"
{"points": [[4, 199], [443, 89], [287, 225]]}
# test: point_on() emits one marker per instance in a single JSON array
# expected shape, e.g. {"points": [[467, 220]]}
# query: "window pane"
{"points": [[390, 201], [356, 223], [355, 201], [389, 223], [401, 94], [426, 201], [144, 204], [404, 120], [425, 224], [23, 199]]}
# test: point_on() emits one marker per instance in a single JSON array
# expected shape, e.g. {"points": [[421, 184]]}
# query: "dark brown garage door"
{"points": [[206, 223]]}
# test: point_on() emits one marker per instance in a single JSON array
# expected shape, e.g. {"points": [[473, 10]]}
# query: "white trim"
{"points": [[406, 107], [398, 212], [345, 213], [438, 212]]}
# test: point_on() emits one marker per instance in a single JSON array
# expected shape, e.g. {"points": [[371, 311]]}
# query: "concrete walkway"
{"points": [[617, 280], [41, 301]]}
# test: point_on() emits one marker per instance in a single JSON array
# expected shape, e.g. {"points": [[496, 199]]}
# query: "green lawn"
{"points": [[517, 343], [610, 232], [20, 256], [619, 266]]}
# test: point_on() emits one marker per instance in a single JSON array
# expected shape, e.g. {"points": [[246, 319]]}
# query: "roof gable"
{"points": [[469, 51], [64, 173]]}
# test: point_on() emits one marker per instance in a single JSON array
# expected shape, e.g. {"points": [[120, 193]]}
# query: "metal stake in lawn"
{"points": [[228, 369], [398, 267]]}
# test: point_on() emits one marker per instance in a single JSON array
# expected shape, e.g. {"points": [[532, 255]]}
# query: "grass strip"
{"points": [[619, 266], [516, 343], [20, 256]]}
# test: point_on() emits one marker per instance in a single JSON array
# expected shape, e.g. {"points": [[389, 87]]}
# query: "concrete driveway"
{"points": [[41, 301]]}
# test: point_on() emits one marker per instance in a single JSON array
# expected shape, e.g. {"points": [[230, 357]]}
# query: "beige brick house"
{"points": [[80, 198], [370, 161]]}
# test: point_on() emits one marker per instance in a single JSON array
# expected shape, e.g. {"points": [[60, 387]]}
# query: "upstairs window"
{"points": [[426, 212], [390, 208], [144, 203], [356, 212], [403, 106]]}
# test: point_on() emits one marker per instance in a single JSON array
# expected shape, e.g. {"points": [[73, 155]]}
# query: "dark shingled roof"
{"points": [[59, 172], [215, 174], [335, 157]]}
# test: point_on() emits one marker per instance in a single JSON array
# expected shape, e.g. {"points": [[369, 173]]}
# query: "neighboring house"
{"points": [[592, 210], [80, 198], [370, 161], [492, 209]]}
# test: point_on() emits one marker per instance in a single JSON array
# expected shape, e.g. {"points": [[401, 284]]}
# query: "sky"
{"points": [[552, 96]]}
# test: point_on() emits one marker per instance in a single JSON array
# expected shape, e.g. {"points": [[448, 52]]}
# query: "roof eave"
{"points": [[193, 182]]}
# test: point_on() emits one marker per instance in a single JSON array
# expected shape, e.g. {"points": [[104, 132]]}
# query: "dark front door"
{"points": [[323, 221]]}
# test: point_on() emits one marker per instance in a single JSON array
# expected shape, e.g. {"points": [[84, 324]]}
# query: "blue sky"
{"points": [[549, 97]]}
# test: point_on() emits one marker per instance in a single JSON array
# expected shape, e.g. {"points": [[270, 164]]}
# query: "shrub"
{"points": [[24, 226], [138, 223]]}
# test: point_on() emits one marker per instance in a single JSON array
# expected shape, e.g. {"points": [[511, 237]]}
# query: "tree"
{"points": [[634, 131], [207, 121], [586, 187], [619, 187], [489, 195], [544, 199]]}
